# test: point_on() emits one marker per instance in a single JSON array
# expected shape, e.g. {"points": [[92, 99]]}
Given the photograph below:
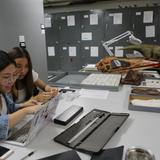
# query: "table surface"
{"points": [[141, 129]]}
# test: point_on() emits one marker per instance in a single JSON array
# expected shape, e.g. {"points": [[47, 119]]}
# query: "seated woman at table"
{"points": [[28, 80], [10, 114]]}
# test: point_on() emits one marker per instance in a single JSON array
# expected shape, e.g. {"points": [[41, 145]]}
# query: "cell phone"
{"points": [[5, 152]]}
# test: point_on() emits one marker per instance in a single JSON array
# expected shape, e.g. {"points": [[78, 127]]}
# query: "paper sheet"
{"points": [[85, 36], [93, 19], [117, 19], [94, 51], [51, 51], [148, 17], [71, 20], [47, 22], [150, 31], [118, 52], [99, 94], [72, 51]]}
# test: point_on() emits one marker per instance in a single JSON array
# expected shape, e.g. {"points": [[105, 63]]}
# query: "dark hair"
{"points": [[18, 52], [5, 60]]}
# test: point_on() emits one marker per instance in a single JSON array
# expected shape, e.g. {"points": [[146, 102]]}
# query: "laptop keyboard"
{"points": [[102, 79], [22, 134]]}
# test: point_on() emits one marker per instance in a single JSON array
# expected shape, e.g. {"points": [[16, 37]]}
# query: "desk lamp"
{"points": [[132, 40]]}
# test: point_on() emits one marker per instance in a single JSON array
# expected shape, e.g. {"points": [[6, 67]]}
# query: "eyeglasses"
{"points": [[9, 79]]}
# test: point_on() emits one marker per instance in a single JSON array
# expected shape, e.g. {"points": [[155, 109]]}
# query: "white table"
{"points": [[140, 129]]}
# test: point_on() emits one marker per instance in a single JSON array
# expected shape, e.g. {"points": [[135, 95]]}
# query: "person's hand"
{"points": [[52, 90], [32, 109], [30, 102], [43, 97]]}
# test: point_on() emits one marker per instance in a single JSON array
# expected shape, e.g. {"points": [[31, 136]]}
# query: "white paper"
{"points": [[71, 20], [19, 152], [94, 94], [51, 51], [138, 13], [47, 22], [118, 51], [86, 36], [94, 51], [117, 19], [93, 19], [72, 51], [148, 17], [150, 31]]}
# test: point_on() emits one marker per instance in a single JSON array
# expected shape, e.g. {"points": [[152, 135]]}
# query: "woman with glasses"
{"points": [[10, 114], [28, 80]]}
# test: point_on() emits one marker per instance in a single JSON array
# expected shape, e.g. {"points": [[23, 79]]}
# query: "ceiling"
{"points": [[56, 3]]}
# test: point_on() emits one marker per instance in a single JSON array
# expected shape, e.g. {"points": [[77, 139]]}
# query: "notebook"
{"points": [[24, 132]]}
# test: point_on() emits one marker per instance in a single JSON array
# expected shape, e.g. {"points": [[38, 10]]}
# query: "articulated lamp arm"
{"points": [[132, 39]]}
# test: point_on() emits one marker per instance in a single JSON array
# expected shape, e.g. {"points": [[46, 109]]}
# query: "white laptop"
{"points": [[23, 133]]}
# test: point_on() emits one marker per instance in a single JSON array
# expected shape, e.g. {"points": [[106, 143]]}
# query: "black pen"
{"points": [[66, 90], [28, 155]]}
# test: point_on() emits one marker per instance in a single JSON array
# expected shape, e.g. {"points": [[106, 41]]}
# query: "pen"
{"points": [[85, 128], [66, 90], [28, 155]]}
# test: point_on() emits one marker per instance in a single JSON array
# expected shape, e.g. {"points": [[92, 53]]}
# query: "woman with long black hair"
{"points": [[10, 114]]}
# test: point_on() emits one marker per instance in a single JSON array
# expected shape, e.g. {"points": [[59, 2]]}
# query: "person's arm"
{"points": [[17, 116], [45, 87], [42, 85], [28, 103], [8, 121]]}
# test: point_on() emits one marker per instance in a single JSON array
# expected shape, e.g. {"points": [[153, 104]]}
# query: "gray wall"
{"points": [[24, 17], [2, 35]]}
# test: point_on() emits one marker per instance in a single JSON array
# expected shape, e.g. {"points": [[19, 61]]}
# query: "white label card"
{"points": [[117, 19], [86, 36], [72, 51], [51, 51], [148, 17], [94, 51], [150, 31], [93, 19], [71, 20]]}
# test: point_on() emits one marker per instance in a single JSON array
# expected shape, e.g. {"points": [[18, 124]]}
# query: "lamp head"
{"points": [[134, 40]]}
